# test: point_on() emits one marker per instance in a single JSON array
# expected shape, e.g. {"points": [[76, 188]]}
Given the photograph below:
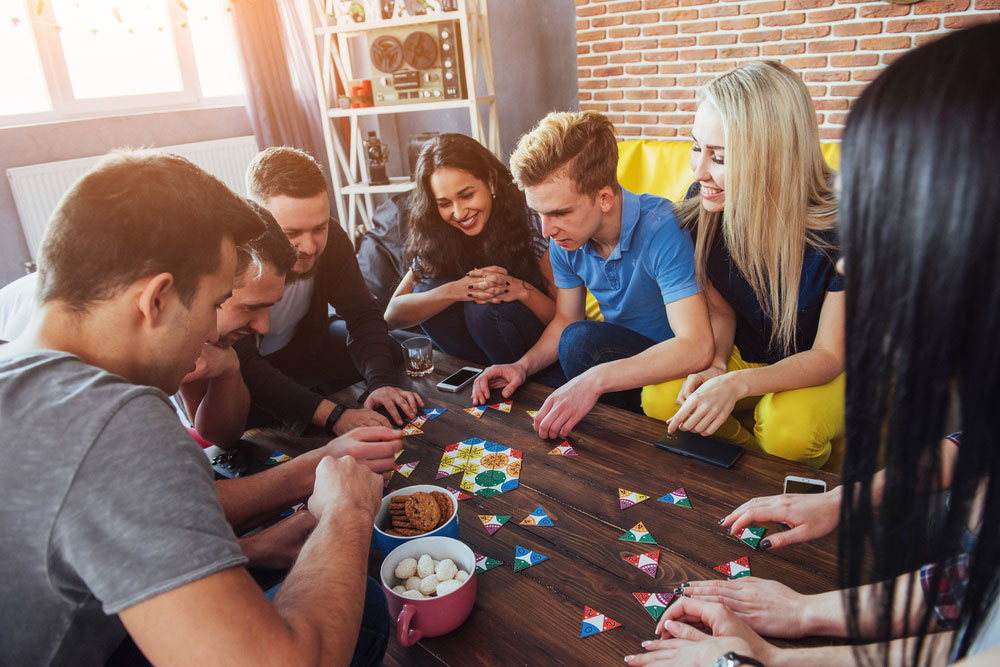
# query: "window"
{"points": [[63, 59]]}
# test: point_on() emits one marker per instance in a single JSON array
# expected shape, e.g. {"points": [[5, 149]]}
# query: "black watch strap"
{"points": [[338, 409]]}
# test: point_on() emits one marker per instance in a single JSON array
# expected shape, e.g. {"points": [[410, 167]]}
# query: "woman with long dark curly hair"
{"points": [[480, 281]]}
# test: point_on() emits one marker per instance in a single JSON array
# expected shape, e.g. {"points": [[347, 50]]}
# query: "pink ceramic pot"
{"points": [[432, 617]]}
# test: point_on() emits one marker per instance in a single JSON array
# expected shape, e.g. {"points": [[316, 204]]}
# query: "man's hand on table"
{"points": [[566, 406], [394, 400], [278, 546], [374, 447], [809, 516], [766, 606], [345, 485], [507, 376], [351, 419]]}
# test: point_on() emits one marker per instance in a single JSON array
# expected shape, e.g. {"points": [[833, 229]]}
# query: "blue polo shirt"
{"points": [[652, 265]]}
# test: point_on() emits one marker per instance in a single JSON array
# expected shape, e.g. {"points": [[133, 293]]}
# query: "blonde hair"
{"points": [[778, 188], [582, 143]]}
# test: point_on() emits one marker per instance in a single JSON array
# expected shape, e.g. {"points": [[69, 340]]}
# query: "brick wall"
{"points": [[640, 61]]}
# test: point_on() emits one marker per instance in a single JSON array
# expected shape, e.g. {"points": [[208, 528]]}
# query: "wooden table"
{"points": [[533, 617]]}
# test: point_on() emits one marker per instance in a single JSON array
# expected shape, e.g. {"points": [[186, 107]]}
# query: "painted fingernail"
{"points": [[721, 520], [469, 294], [766, 544], [506, 290], [508, 282], [678, 591], [685, 584], [470, 286], [628, 658]]}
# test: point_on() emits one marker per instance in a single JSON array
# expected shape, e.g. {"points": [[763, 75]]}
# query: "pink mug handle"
{"points": [[404, 635]]}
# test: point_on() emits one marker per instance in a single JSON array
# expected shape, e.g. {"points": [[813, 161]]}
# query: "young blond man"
{"points": [[629, 252]]}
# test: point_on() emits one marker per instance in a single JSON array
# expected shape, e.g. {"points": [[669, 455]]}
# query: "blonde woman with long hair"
{"points": [[762, 216]]}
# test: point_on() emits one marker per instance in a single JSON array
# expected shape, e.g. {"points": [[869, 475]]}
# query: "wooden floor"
{"points": [[533, 617]]}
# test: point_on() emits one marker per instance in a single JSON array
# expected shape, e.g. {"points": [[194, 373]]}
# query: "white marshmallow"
{"points": [[446, 587], [446, 569], [425, 566], [406, 569], [429, 584]]}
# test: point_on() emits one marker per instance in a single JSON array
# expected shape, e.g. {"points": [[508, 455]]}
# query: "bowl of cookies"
{"points": [[430, 586], [422, 510]]}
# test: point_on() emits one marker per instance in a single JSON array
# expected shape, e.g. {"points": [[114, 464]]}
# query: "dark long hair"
{"points": [[440, 251], [920, 219]]}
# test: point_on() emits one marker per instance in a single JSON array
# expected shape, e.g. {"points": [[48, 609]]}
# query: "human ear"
{"points": [[152, 298], [606, 196]]}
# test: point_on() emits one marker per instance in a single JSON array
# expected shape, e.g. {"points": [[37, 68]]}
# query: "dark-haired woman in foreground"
{"points": [[480, 280], [920, 225]]}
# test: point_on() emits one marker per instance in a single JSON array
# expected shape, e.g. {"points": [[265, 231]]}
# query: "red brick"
{"points": [[641, 69], [700, 26], [806, 62], [592, 84], [661, 131], [696, 3], [661, 29], [889, 58], [640, 44], [830, 134], [717, 11], [582, 25], [625, 57], [852, 29], [839, 14], [676, 42], [693, 81], [605, 47], [659, 81], [884, 43], [940, 6], [591, 36], [912, 25], [846, 91], [582, 73], [809, 77], [830, 105], [739, 24], [585, 95], [697, 54], [987, 4], [629, 131], [609, 95], [766, 7], [687, 106], [829, 46], [819, 119], [958, 22], [717, 39], [582, 48], [640, 94], [716, 66], [618, 33], [760, 36], [783, 49], [631, 6], [676, 119], [608, 71], [881, 11], [644, 119], [678, 68], [590, 10], [866, 74], [680, 15], [740, 52], [606, 21], [659, 4], [796, 18], [659, 107], [643, 18], [593, 106], [811, 32], [808, 4], [814, 91], [616, 118], [659, 56], [591, 61], [626, 106], [920, 40], [837, 118], [855, 60], [684, 131]]}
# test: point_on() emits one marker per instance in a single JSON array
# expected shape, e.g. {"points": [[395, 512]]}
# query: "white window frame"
{"points": [[65, 105]]}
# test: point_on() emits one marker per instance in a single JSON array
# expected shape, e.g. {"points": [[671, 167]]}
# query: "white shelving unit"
{"points": [[334, 69]]}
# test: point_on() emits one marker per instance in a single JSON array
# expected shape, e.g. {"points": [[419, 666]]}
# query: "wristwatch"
{"points": [[732, 659], [338, 409]]}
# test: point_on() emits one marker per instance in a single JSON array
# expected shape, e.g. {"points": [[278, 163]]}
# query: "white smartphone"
{"points": [[459, 379], [796, 484]]}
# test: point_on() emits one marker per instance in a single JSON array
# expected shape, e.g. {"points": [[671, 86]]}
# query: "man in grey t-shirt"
{"points": [[111, 520]]}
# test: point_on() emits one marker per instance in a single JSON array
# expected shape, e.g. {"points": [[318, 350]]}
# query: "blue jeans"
{"points": [[373, 637], [488, 333], [584, 345]]}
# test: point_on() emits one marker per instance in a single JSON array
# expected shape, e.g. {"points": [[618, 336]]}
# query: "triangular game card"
{"points": [[476, 411], [411, 429], [484, 563], [526, 558], [502, 407], [405, 469], [532, 413], [462, 495], [563, 449], [654, 603], [735, 569], [645, 562], [628, 498], [396, 455], [595, 622], [433, 413], [276, 458], [492, 522], [537, 518], [637, 533], [678, 497], [752, 535]]}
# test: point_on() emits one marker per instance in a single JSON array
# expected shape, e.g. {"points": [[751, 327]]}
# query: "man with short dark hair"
{"points": [[304, 348], [112, 522]]}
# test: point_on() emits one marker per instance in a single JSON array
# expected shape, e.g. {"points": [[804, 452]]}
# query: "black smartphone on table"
{"points": [[702, 448]]}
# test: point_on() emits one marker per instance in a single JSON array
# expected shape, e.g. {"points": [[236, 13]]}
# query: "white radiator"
{"points": [[37, 188]]}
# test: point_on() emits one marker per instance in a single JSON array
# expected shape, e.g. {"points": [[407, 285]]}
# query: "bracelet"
{"points": [[732, 659], [335, 414]]}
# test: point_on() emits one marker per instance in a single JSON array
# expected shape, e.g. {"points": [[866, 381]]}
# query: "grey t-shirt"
{"points": [[107, 501]]}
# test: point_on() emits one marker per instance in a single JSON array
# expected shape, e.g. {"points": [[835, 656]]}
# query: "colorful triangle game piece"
{"points": [[628, 498], [484, 563], [563, 449], [654, 603], [462, 495], [532, 413], [411, 429], [677, 497], [502, 407], [405, 469], [433, 413], [645, 562], [595, 622], [537, 518], [526, 558], [276, 458], [492, 522], [735, 569], [637, 533], [476, 411], [752, 535], [396, 455]]}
